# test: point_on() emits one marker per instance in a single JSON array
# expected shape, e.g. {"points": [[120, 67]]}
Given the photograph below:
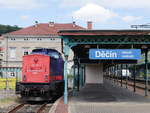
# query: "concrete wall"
{"points": [[94, 73]]}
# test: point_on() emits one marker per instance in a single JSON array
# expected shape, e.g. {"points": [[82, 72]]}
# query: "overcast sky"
{"points": [[105, 14]]}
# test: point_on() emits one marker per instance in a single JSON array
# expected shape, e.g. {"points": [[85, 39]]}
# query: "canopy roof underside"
{"points": [[81, 41]]}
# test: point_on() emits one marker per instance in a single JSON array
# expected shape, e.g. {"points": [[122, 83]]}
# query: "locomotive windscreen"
{"points": [[56, 62]]}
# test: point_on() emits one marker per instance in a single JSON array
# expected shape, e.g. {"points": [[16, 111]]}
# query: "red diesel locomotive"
{"points": [[42, 75]]}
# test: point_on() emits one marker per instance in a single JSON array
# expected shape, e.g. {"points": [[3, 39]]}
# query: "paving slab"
{"points": [[107, 98], [6, 93]]}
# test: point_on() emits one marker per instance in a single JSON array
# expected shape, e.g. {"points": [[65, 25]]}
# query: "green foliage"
{"points": [[7, 28], [70, 76], [142, 74], [142, 60]]}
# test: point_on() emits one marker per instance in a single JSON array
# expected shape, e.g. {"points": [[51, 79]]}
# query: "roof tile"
{"points": [[45, 29]]}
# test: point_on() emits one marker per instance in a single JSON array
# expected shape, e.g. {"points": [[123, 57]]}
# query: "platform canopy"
{"points": [[80, 41]]}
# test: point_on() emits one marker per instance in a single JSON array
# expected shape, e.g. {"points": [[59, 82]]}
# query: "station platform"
{"points": [[107, 98]]}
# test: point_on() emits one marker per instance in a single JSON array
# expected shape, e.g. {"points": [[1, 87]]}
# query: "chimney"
{"points": [[74, 23], [89, 25], [51, 24], [36, 23]]}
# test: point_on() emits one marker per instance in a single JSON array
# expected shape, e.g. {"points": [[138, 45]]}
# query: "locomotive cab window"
{"points": [[54, 55]]}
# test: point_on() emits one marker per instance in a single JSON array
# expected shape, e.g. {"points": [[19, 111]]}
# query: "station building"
{"points": [[1, 50]]}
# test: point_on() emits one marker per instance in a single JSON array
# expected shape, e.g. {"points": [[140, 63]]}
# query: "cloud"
{"points": [[25, 17], [129, 19], [93, 12], [127, 4], [76, 3], [20, 4]]}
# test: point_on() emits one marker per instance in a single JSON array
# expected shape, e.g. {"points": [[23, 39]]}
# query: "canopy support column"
{"points": [[127, 74], [74, 80], [81, 76], [66, 54], [78, 79], [134, 78], [117, 74], [84, 76], [121, 74], [146, 72]]}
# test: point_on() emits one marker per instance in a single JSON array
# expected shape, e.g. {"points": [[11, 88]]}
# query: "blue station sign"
{"points": [[122, 54]]}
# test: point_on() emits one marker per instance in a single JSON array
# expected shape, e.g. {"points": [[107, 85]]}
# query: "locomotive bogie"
{"points": [[43, 91]]}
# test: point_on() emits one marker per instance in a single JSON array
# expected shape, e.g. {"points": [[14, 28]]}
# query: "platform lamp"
{"points": [[87, 46], [145, 49]]}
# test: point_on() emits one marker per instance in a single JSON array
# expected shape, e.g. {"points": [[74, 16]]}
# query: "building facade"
{"points": [[1, 50]]}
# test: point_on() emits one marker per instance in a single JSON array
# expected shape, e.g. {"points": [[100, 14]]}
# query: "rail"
{"points": [[16, 108], [24, 108], [42, 107]]}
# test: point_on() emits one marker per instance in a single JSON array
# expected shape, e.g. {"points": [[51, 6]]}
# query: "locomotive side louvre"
{"points": [[56, 71], [36, 69]]}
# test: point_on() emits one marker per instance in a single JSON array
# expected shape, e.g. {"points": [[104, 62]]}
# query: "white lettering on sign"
{"points": [[127, 52], [106, 54], [128, 56]]}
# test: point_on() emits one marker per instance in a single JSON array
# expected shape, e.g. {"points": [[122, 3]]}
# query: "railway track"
{"points": [[31, 108], [14, 110], [42, 107], [138, 84]]}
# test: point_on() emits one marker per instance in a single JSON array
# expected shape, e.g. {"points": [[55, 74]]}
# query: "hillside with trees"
{"points": [[7, 28]]}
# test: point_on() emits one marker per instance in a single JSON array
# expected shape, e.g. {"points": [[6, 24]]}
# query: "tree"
{"points": [[7, 28]]}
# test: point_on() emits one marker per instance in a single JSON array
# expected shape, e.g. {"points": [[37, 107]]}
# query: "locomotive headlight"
{"points": [[46, 78], [24, 78]]}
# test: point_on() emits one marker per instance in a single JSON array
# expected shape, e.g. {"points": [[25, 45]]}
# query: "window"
{"points": [[52, 38], [12, 52], [26, 39], [12, 74], [39, 38], [13, 39], [26, 53], [38, 47], [25, 50]]}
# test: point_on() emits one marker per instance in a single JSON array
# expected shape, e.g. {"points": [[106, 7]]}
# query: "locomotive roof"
{"points": [[45, 49], [51, 52]]}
